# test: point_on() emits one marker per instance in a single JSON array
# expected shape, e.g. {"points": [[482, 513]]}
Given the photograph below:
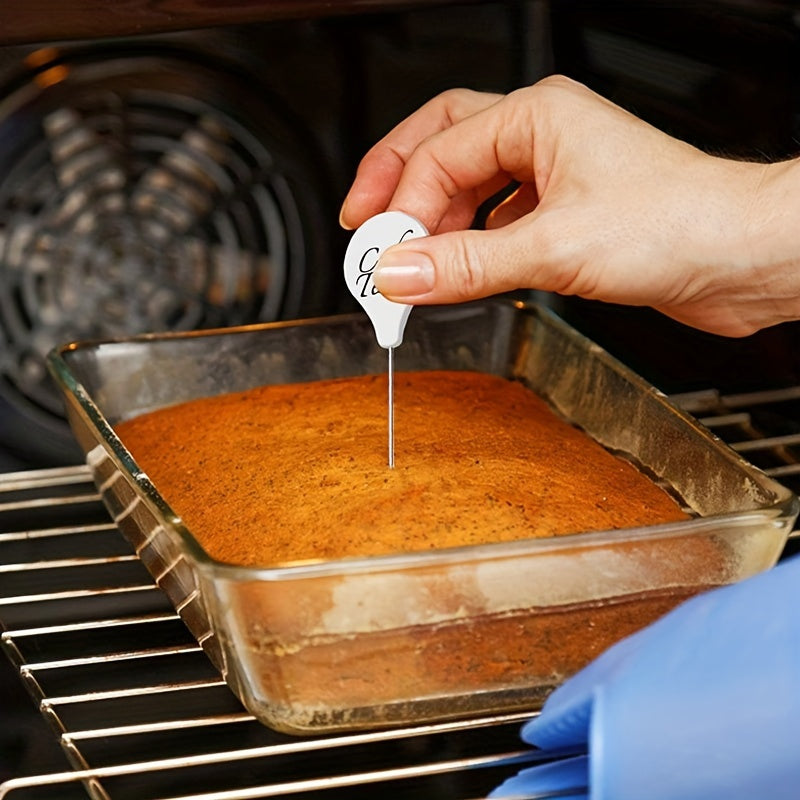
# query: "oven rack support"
{"points": [[140, 712]]}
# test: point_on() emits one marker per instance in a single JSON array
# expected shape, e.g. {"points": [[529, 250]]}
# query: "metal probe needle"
{"points": [[387, 317], [391, 407]]}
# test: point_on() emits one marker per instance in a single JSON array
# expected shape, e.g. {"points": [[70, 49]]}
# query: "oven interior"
{"points": [[186, 178]]}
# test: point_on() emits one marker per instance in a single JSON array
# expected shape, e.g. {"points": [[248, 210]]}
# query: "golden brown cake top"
{"points": [[299, 471]]}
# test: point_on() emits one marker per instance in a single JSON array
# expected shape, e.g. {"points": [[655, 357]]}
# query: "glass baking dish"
{"points": [[387, 640]]}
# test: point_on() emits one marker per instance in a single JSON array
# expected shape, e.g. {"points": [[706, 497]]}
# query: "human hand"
{"points": [[607, 208], [702, 705]]}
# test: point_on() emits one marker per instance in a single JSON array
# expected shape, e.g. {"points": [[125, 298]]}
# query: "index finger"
{"points": [[381, 168], [487, 148]]}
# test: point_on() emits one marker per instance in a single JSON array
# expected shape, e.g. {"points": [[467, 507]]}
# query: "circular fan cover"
{"points": [[145, 193]]}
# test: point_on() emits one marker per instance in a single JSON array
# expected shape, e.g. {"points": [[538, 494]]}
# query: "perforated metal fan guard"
{"points": [[145, 193]]}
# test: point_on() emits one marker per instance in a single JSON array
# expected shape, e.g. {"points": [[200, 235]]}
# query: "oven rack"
{"points": [[140, 713]]}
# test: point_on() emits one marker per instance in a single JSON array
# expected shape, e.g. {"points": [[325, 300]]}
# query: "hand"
{"points": [[702, 705], [607, 207]]}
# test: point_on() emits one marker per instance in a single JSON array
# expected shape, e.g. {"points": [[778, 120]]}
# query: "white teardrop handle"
{"points": [[366, 245]]}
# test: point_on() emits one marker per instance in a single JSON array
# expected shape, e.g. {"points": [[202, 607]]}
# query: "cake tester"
{"points": [[388, 318]]}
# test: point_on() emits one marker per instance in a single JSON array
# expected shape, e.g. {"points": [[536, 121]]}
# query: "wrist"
{"points": [[775, 213], [746, 251], [773, 243]]}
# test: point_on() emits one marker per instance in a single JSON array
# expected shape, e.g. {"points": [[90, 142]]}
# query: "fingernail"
{"points": [[342, 212], [404, 273]]}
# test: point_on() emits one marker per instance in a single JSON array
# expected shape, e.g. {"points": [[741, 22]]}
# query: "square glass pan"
{"points": [[405, 638]]}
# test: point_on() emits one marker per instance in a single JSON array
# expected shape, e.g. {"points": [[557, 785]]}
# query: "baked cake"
{"points": [[295, 472]]}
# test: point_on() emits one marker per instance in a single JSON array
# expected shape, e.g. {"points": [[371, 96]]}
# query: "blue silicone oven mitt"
{"points": [[704, 704]]}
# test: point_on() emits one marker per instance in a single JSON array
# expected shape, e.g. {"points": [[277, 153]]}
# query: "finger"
{"points": [[514, 207], [380, 169], [567, 778], [461, 211], [467, 265], [373, 186], [479, 149]]}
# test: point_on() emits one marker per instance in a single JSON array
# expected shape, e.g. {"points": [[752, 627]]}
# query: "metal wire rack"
{"points": [[140, 712]]}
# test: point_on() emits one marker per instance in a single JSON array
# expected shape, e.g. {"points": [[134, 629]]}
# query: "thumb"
{"points": [[459, 266]]}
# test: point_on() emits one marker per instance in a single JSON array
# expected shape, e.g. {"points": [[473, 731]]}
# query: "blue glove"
{"points": [[703, 704]]}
